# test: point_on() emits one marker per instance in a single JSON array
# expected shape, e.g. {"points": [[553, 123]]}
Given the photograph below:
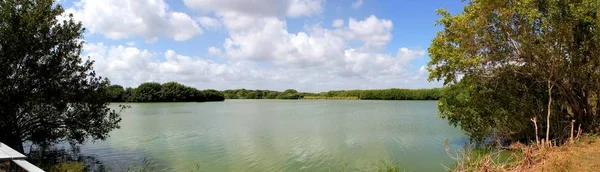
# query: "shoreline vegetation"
{"points": [[166, 92], [375, 94], [330, 98], [583, 154], [176, 92], [521, 72]]}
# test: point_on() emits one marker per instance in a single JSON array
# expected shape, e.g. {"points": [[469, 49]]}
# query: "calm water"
{"points": [[281, 135]]}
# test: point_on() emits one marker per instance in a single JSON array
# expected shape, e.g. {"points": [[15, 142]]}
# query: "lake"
{"points": [[280, 135]]}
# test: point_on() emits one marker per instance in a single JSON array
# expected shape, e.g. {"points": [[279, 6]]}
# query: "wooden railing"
{"points": [[12, 160]]}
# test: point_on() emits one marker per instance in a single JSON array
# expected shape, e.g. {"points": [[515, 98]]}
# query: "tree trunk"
{"points": [[549, 112], [537, 138]]}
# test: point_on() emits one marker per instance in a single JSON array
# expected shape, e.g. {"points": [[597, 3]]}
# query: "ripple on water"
{"points": [[264, 135]]}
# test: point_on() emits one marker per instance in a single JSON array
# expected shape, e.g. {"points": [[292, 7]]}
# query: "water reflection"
{"points": [[276, 135]]}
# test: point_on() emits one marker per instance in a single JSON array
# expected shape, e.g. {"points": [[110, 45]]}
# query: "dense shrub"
{"points": [[167, 92]]}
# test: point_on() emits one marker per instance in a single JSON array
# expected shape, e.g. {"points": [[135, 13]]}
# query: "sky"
{"points": [[307, 45]]}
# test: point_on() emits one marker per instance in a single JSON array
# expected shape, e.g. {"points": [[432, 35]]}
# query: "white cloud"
{"points": [[267, 39], [304, 8], [130, 43], [214, 51], [259, 8], [129, 66], [357, 4], [209, 22], [371, 65], [338, 23], [123, 65], [183, 27], [375, 33], [313, 59], [151, 19]]}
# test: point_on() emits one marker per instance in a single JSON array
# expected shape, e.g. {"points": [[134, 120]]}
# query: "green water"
{"points": [[280, 135]]}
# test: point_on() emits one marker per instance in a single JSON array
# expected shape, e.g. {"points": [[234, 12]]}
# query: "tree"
{"points": [[212, 95], [271, 95], [167, 92], [174, 92], [128, 94], [252, 95], [551, 45], [289, 94], [116, 93], [147, 92], [48, 93]]}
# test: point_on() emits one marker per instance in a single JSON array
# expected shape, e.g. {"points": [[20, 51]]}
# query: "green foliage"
{"points": [[167, 92], [212, 95], [288, 94], [117, 93], [49, 94], [519, 61], [148, 92], [174, 92], [271, 95], [328, 98], [387, 94], [384, 94], [250, 94], [71, 166]]}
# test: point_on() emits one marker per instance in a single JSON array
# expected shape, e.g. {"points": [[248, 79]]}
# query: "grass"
{"points": [[583, 155], [72, 166]]}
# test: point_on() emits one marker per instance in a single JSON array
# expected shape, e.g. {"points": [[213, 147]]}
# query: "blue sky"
{"points": [[309, 45]]}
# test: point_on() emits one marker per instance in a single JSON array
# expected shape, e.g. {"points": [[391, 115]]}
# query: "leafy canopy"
{"points": [[505, 60], [49, 94]]}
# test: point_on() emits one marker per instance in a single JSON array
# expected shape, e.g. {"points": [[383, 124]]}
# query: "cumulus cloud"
{"points": [[267, 39], [209, 22], [257, 32], [151, 19], [375, 33], [370, 65], [315, 58], [338, 23], [299, 8], [259, 8], [214, 51], [130, 66]]}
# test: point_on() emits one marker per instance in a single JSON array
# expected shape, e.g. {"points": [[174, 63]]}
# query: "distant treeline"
{"points": [[167, 92], [262, 94], [383, 94], [176, 92]]}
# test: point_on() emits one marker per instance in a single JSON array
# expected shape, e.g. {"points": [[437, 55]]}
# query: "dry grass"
{"points": [[584, 155]]}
